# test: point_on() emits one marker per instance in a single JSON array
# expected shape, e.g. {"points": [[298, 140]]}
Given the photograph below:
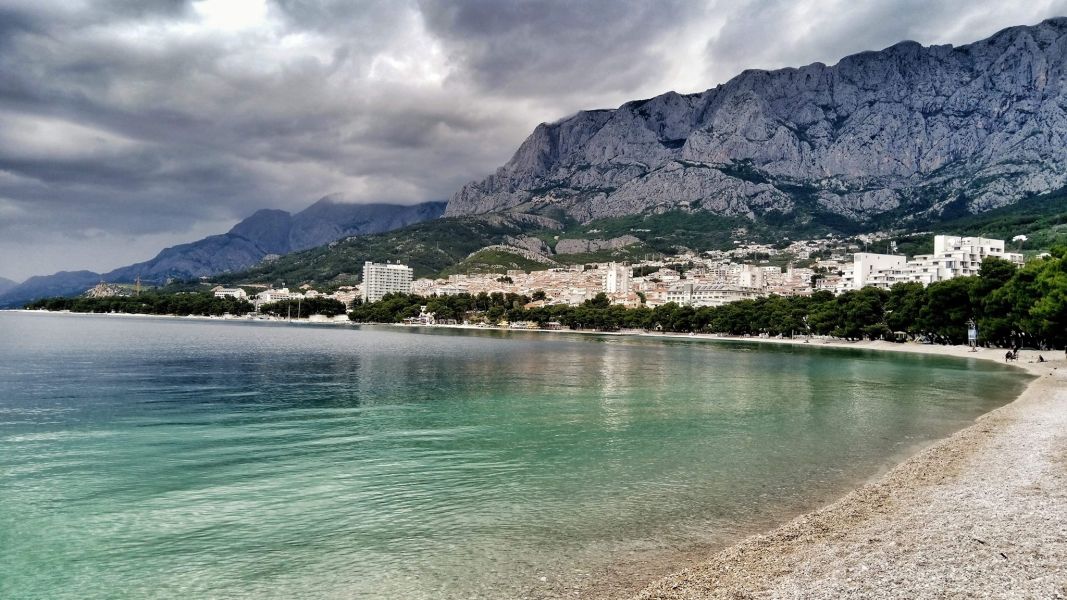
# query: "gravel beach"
{"points": [[981, 514]]}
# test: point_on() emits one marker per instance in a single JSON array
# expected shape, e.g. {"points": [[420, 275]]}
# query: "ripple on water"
{"points": [[160, 459]]}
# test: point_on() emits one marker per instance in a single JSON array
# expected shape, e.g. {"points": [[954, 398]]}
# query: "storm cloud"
{"points": [[128, 125]]}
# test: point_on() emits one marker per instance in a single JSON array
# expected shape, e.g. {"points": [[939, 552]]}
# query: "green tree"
{"points": [[904, 307], [948, 308]]}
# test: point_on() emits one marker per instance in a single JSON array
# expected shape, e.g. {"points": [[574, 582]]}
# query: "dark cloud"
{"points": [[126, 125], [547, 46], [776, 34]]}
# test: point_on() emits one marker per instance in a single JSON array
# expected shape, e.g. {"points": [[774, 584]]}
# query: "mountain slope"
{"points": [[478, 243], [6, 284], [275, 232], [427, 247], [880, 136], [246, 244], [63, 283]]}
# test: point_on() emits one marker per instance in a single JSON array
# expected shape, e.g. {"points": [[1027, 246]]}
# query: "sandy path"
{"points": [[982, 514]]}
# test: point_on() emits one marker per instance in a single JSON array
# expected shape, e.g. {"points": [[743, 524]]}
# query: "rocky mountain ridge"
{"points": [[880, 135]]}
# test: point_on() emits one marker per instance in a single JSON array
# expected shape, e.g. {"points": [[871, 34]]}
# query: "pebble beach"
{"points": [[981, 514]]}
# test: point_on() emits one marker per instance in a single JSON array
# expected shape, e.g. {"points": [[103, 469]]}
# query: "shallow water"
{"points": [[156, 458]]}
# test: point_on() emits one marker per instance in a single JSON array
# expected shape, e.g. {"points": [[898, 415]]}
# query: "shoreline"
{"points": [[979, 513], [987, 354], [931, 526]]}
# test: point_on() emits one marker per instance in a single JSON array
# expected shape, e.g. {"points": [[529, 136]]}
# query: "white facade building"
{"points": [[694, 294], [958, 257], [752, 276], [867, 267], [953, 257], [268, 296], [381, 279], [617, 279], [238, 293]]}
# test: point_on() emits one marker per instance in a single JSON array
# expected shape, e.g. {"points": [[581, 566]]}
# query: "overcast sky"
{"points": [[129, 125]]}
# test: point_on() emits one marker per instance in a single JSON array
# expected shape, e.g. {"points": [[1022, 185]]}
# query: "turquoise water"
{"points": [[152, 458]]}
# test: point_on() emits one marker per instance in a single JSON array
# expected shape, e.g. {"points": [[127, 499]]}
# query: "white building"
{"points": [[690, 294], [221, 292], [617, 279], [751, 276], [278, 295], [957, 257], [867, 267], [381, 279], [953, 257]]}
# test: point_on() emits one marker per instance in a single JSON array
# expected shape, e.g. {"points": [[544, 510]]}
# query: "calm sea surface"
{"points": [[152, 458]]}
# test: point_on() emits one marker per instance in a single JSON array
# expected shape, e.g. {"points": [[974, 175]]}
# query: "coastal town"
{"points": [[711, 278], [979, 291]]}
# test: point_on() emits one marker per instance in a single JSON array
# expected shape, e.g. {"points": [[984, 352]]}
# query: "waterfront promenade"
{"points": [[978, 515]]}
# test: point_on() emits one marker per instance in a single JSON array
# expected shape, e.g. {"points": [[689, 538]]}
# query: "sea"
{"points": [[182, 458]]}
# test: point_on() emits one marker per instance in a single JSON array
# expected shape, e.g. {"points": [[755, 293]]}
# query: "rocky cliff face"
{"points": [[906, 130]]}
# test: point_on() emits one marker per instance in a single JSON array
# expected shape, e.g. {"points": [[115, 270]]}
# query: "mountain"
{"points": [[62, 283], [6, 284], [428, 247], [879, 138], [275, 232], [246, 244], [510, 240]]}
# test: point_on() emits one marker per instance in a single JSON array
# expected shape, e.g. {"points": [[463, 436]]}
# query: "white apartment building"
{"points": [[957, 257], [695, 294], [752, 276], [278, 295], [381, 279], [953, 256], [221, 292], [617, 279], [867, 268]]}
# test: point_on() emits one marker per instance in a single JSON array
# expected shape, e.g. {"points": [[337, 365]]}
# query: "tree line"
{"points": [[305, 307], [150, 303]]}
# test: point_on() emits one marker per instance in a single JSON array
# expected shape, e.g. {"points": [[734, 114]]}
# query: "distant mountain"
{"points": [[62, 283], [275, 232], [879, 138], [247, 243], [6, 284]]}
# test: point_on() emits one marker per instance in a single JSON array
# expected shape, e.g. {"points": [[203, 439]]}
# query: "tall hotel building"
{"points": [[617, 279], [381, 279]]}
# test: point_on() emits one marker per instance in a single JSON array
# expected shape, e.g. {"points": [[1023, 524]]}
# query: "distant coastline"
{"points": [[958, 351]]}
